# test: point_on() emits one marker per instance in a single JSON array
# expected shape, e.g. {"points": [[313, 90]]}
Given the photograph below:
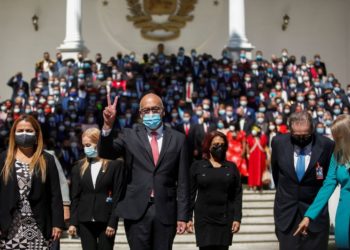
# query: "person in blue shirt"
{"points": [[338, 173]]}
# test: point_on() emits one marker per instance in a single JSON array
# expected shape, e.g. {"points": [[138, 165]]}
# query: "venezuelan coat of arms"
{"points": [[160, 20]]}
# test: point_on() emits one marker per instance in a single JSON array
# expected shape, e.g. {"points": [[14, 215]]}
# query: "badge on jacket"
{"points": [[319, 172], [109, 199]]}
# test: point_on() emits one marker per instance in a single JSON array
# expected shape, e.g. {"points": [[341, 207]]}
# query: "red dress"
{"points": [[235, 150], [257, 159]]}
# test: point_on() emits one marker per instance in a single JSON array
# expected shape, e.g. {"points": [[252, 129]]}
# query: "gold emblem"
{"points": [[160, 20]]}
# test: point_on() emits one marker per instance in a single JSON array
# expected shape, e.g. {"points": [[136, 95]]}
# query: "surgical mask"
{"points": [[328, 122], [320, 131], [272, 127], [222, 112], [337, 111], [206, 106], [152, 121], [90, 152], [287, 111], [254, 132], [300, 98], [199, 112], [260, 120], [243, 103], [279, 121], [220, 125], [186, 119], [312, 97], [232, 128], [51, 102], [229, 113], [337, 100], [262, 109], [25, 139]]}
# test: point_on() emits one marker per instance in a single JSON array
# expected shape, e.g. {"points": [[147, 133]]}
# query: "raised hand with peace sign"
{"points": [[110, 112]]}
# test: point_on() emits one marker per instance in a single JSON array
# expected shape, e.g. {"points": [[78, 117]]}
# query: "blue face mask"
{"points": [[90, 152], [220, 125], [320, 131], [152, 121]]}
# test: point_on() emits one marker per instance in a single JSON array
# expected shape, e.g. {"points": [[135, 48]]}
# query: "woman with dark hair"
{"points": [[96, 186], [216, 194], [31, 208]]}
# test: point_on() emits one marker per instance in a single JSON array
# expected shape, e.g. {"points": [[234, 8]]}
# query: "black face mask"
{"points": [[218, 152], [25, 140], [301, 140]]}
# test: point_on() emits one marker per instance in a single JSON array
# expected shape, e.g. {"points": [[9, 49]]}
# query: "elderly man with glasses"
{"points": [[156, 202]]}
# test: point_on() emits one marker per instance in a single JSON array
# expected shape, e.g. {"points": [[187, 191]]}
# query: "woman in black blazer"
{"points": [[216, 194], [31, 209], [96, 188]]}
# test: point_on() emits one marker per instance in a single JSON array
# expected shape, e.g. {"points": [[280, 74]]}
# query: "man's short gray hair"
{"points": [[301, 117]]}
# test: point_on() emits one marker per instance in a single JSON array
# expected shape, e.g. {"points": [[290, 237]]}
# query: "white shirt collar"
{"points": [[307, 149]]}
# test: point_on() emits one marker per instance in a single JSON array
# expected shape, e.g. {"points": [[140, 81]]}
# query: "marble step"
{"points": [[258, 204]]}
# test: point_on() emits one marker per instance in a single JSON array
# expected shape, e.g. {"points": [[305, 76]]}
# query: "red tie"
{"points": [[154, 146], [187, 129], [189, 91]]}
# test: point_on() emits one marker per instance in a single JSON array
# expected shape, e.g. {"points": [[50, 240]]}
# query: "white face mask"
{"points": [[254, 133], [278, 121], [260, 120]]}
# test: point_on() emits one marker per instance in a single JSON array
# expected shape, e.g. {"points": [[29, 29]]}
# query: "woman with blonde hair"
{"points": [[96, 188], [338, 173], [31, 209]]}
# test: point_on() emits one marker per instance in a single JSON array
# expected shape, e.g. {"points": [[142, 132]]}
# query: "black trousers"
{"points": [[314, 240], [93, 237], [148, 233]]}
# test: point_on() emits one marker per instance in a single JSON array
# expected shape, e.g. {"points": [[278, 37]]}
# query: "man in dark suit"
{"points": [[300, 163], [156, 201], [196, 135], [19, 86]]}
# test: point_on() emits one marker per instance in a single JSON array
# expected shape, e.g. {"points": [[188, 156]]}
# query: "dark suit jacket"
{"points": [[169, 178], [91, 203], [45, 198], [294, 197], [196, 137], [15, 85]]}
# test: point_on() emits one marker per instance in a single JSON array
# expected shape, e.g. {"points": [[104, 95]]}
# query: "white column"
{"points": [[237, 36], [73, 43]]}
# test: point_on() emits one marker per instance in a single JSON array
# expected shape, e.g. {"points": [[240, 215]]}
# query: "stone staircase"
{"points": [[257, 229]]}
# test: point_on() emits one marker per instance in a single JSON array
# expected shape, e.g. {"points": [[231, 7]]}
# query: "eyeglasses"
{"points": [[154, 110]]}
